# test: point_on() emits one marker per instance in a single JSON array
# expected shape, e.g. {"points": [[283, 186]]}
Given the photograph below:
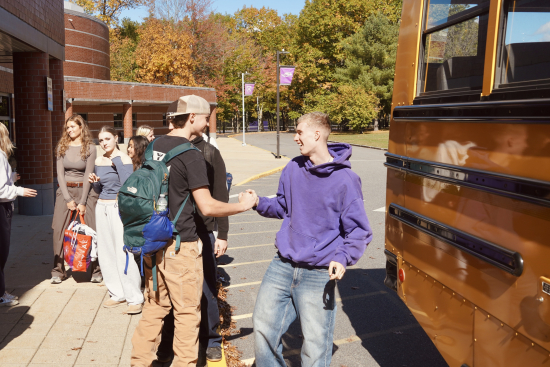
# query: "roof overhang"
{"points": [[120, 102]]}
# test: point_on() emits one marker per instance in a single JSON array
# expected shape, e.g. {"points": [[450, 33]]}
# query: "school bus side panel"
{"points": [[405, 69]]}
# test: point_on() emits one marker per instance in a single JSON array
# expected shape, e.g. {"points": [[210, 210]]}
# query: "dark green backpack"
{"points": [[145, 230]]}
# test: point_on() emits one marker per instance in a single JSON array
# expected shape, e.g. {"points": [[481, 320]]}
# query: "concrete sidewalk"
{"points": [[249, 161], [65, 325]]}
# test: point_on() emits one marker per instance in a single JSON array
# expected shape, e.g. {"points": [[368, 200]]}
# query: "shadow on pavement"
{"points": [[387, 329], [12, 330]]}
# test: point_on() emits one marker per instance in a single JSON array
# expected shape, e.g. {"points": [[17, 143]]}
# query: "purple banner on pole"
{"points": [[249, 89], [286, 74]]}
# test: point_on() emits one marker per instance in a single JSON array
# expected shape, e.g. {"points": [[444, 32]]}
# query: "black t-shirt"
{"points": [[187, 172]]}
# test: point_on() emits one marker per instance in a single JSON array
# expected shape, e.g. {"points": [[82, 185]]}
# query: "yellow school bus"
{"points": [[468, 182]]}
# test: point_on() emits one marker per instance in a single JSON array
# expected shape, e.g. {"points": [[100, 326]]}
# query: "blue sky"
{"points": [[231, 6], [528, 27]]}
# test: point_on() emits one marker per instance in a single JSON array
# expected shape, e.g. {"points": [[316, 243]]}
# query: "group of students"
{"points": [[324, 229]]}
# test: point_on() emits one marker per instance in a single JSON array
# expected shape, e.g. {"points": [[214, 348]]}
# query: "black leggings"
{"points": [[6, 212]]}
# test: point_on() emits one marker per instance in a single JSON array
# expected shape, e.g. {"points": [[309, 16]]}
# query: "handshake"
{"points": [[249, 199]]}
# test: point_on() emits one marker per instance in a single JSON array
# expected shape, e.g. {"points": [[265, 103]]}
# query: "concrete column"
{"points": [[212, 128], [69, 111], [127, 124], [34, 131]]}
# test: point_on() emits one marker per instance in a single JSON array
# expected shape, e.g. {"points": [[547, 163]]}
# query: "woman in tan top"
{"points": [[76, 155]]}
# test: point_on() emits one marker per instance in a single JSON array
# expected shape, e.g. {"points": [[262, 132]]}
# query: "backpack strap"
{"points": [[182, 148], [178, 238], [154, 271], [171, 154]]}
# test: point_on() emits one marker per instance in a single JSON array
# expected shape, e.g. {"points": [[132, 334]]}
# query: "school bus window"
{"points": [[444, 11], [454, 45], [526, 41]]}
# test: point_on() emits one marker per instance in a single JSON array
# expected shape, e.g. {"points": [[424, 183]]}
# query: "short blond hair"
{"points": [[316, 119], [144, 130], [5, 143]]}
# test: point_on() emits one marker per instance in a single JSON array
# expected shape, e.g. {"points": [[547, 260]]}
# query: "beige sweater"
{"points": [[71, 168]]}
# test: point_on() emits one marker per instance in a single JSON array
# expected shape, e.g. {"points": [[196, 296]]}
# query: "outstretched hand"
{"points": [[256, 195], [29, 193], [248, 199]]}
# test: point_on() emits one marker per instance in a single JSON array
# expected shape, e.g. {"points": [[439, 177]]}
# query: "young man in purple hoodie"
{"points": [[325, 228]]}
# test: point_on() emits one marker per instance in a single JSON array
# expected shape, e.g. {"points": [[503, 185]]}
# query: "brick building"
{"points": [[54, 43]]}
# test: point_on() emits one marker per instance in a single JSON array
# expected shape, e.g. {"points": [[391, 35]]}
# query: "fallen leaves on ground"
{"points": [[227, 328]]}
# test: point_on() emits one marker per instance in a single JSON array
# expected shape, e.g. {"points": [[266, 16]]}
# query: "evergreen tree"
{"points": [[369, 58]]}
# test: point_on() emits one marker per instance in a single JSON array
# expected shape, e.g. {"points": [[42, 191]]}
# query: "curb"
{"points": [[251, 133], [359, 145], [263, 174]]}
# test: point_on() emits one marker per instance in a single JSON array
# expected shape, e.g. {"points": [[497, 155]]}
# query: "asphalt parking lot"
{"points": [[373, 326]]}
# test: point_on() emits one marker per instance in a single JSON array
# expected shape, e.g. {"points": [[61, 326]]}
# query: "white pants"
{"points": [[112, 258]]}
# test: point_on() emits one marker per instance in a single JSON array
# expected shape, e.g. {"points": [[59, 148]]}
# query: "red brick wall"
{"points": [[86, 41], [57, 115], [6, 82], [127, 91], [86, 71], [33, 120], [44, 15], [103, 115]]}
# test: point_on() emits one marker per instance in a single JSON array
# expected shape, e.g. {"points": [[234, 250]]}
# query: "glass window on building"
{"points": [[84, 116], [134, 119], [5, 113], [454, 45], [4, 107], [164, 122], [525, 51], [118, 120]]}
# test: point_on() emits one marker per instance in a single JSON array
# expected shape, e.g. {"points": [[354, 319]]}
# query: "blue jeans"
{"points": [[288, 291]]}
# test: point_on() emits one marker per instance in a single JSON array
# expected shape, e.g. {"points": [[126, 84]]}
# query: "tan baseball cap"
{"points": [[189, 104]]}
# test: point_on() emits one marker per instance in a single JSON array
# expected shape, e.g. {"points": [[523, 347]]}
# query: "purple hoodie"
{"points": [[322, 209]]}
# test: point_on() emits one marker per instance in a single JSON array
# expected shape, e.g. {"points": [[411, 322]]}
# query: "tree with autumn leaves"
{"points": [[343, 50]]}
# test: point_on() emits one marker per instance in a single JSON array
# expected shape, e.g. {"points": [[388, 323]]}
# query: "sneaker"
{"points": [[97, 279], [56, 280], [9, 296], [7, 302], [134, 309], [214, 354], [110, 303]]}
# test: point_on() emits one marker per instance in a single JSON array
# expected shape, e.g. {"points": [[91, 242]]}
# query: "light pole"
{"points": [[278, 84], [243, 74], [258, 112]]}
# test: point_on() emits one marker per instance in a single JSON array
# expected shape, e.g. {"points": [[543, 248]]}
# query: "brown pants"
{"points": [[179, 279], [60, 222]]}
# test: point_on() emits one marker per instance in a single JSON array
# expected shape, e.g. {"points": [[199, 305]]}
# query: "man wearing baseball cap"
{"points": [[180, 273]]}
